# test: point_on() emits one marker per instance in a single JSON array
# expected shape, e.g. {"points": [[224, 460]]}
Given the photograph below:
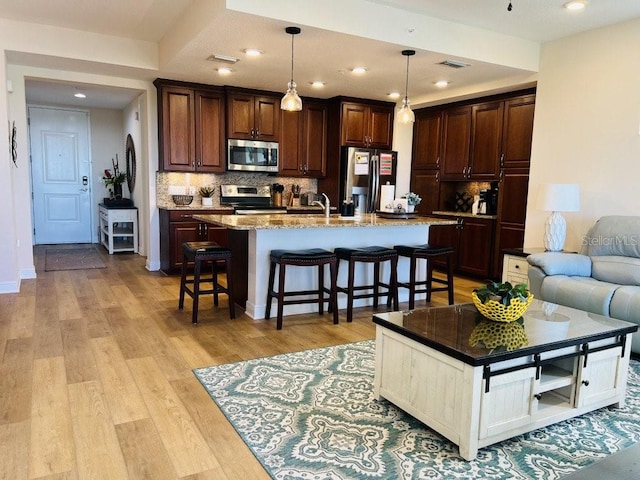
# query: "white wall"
{"points": [[587, 127]]}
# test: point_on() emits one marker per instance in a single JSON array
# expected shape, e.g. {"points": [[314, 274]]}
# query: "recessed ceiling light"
{"points": [[441, 83], [318, 84], [575, 5], [358, 70], [224, 71], [394, 95], [79, 95], [252, 52]]}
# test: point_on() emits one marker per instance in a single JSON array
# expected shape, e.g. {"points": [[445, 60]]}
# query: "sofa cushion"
{"points": [[625, 305], [613, 235], [616, 269], [583, 293], [558, 263]]}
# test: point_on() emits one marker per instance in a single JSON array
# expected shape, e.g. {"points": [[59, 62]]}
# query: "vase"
{"points": [[410, 208], [117, 190], [207, 201]]}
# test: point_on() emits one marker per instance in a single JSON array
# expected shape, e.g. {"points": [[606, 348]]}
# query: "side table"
{"points": [[119, 228]]}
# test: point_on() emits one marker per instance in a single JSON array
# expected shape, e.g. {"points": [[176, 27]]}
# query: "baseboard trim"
{"points": [[27, 273], [10, 287]]}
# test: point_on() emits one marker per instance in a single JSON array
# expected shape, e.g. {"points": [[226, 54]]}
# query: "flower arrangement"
{"points": [[412, 198], [115, 179]]}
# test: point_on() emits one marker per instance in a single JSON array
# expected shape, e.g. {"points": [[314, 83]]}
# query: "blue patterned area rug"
{"points": [[312, 415]]}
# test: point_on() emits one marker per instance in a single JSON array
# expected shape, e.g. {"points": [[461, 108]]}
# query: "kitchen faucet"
{"points": [[326, 206]]}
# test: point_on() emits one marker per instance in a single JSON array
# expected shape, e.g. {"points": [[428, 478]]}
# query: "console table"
{"points": [[572, 362], [118, 228]]}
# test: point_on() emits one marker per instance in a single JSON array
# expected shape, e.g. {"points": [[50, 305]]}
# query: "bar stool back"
{"points": [[313, 257], [200, 253], [428, 253], [376, 255]]}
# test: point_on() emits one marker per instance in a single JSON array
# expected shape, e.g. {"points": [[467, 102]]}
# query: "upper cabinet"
{"points": [[253, 116], [427, 132], [456, 137], [486, 138], [303, 140], [190, 127], [367, 125], [517, 131]]}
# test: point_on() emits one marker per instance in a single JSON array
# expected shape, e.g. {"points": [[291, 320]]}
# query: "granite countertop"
{"points": [[463, 214], [284, 221], [226, 208]]}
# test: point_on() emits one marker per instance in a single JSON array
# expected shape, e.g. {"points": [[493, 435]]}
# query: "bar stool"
{"points": [[313, 257], [428, 253], [200, 253], [375, 255]]}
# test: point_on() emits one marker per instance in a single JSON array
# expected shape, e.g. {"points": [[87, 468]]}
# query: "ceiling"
{"points": [[320, 54]]}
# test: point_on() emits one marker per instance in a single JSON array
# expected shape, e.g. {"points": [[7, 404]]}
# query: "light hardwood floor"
{"points": [[96, 374]]}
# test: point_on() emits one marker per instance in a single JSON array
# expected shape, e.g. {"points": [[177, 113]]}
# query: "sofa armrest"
{"points": [[559, 263]]}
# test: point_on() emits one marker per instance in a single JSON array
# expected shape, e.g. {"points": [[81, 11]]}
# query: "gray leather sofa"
{"points": [[604, 278]]}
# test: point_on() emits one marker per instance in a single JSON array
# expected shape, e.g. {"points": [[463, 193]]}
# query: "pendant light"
{"points": [[291, 101], [406, 114]]}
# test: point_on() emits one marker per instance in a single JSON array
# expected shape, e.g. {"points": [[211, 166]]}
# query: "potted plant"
{"points": [[413, 199], [502, 302], [114, 180], [207, 196]]}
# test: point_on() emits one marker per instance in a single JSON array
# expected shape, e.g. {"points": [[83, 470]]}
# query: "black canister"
{"points": [[348, 209]]}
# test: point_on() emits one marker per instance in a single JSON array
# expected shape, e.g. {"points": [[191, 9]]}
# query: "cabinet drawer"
{"points": [[517, 265]]}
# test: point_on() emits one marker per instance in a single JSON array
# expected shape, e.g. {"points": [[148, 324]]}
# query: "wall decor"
{"points": [[13, 144], [130, 154]]}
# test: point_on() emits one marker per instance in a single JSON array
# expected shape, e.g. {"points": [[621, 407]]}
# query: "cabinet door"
{"points": [[177, 129], [267, 118], [240, 116], [180, 232], [476, 236], [601, 378], [210, 137], [426, 183], [212, 233], [314, 139], [486, 141], [354, 124], [290, 150], [427, 131], [380, 127], [517, 131], [445, 236], [455, 142], [508, 403]]}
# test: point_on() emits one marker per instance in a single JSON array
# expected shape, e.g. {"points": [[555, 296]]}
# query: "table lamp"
{"points": [[556, 198]]}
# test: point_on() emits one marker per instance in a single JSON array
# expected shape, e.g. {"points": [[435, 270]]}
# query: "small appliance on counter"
{"points": [[488, 204]]}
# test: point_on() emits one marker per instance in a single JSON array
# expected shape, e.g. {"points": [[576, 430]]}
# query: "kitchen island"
{"points": [[252, 237]]}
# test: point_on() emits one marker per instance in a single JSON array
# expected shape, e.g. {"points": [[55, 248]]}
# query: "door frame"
{"points": [[93, 225]]}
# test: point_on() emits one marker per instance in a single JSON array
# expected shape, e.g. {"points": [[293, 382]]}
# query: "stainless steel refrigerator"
{"points": [[362, 172]]}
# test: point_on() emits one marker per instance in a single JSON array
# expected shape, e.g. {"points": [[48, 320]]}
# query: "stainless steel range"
{"points": [[249, 200]]}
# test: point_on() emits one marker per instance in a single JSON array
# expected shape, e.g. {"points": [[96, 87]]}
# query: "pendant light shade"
{"points": [[291, 100], [405, 113]]}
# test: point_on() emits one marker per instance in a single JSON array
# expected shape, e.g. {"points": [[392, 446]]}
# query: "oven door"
{"points": [[253, 156]]}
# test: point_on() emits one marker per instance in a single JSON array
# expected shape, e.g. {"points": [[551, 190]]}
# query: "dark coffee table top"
{"points": [[462, 333]]}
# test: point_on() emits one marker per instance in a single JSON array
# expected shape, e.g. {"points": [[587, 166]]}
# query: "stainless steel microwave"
{"points": [[252, 156]]}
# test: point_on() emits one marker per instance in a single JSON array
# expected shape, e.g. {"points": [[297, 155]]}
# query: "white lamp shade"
{"points": [[559, 197]]}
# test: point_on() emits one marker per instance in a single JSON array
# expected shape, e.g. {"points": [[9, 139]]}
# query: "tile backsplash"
{"points": [[174, 181]]}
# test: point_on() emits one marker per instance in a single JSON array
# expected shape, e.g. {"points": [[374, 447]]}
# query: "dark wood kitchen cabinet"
{"points": [[472, 240], [190, 127], [425, 159], [178, 227], [456, 137], [517, 131], [253, 115], [303, 141], [367, 125]]}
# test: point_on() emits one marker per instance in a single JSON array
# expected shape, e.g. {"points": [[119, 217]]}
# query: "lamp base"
{"points": [[555, 232]]}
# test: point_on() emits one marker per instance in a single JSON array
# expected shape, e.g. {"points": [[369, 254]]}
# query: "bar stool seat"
{"points": [[428, 253], [200, 253], [302, 258], [376, 255]]}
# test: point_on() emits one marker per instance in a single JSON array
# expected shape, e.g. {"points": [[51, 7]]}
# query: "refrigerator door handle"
{"points": [[375, 184]]}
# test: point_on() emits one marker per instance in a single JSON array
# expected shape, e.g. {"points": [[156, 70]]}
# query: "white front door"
{"points": [[61, 175]]}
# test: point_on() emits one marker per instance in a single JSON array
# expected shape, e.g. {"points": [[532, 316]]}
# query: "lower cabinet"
{"points": [[471, 239], [178, 227]]}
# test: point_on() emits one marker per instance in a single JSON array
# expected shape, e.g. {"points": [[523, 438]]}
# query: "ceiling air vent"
{"points": [[454, 64], [222, 58]]}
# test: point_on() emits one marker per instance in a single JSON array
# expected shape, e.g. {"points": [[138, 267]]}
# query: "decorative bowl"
{"points": [[182, 200], [496, 311], [498, 335]]}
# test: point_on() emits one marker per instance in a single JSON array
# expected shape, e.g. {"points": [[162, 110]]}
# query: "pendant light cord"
{"points": [[406, 85], [292, 37]]}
